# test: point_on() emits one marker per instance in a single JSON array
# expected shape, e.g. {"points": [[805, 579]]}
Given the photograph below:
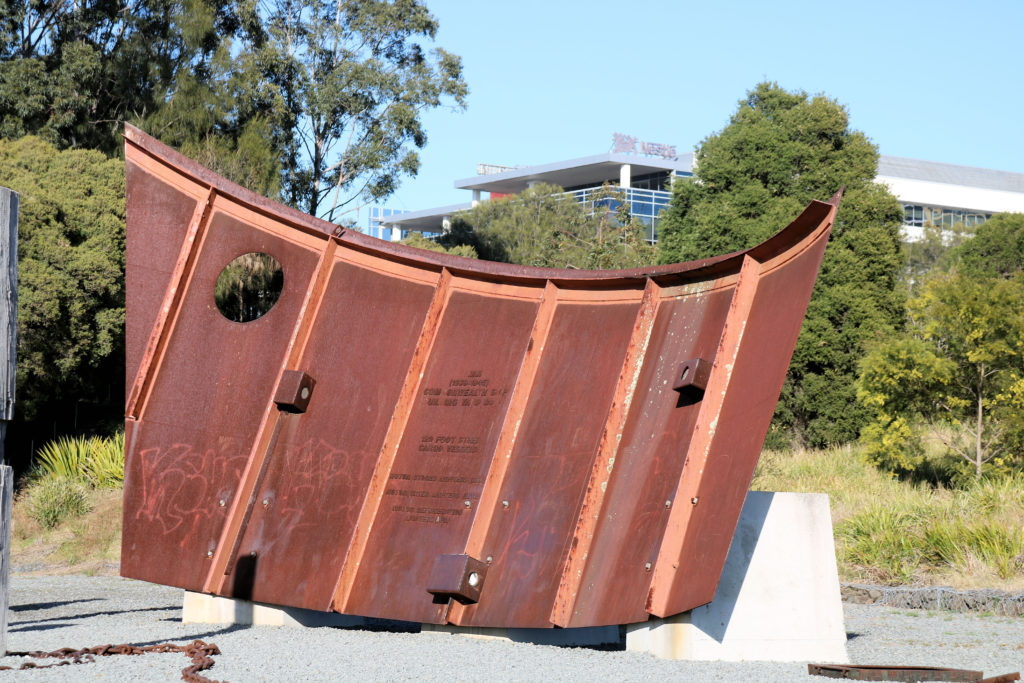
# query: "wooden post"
{"points": [[8, 356]]}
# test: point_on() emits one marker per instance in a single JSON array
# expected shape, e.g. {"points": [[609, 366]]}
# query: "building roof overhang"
{"points": [[425, 220], [593, 170]]}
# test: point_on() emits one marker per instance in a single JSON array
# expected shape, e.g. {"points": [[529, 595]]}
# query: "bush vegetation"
{"points": [[55, 499], [58, 488], [908, 531]]}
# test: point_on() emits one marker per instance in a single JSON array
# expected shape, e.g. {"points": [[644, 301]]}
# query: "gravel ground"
{"points": [[50, 612]]}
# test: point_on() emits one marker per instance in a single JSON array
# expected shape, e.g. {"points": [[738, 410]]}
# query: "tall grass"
{"points": [[66, 469], [899, 532], [53, 500], [97, 461]]}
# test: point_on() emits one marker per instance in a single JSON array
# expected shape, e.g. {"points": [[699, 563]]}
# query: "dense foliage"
{"points": [[72, 73], [346, 82], [957, 371], [294, 99], [995, 251], [542, 226], [304, 97], [71, 273], [780, 151]]}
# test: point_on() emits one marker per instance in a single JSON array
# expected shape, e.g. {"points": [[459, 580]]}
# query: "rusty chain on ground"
{"points": [[200, 653]]}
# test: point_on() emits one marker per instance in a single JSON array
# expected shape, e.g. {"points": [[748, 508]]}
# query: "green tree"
{"points": [[932, 251], [958, 369], [781, 150], [417, 240], [542, 226], [72, 73], [71, 273], [996, 250], [346, 83]]}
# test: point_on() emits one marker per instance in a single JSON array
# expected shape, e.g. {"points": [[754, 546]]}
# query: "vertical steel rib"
{"points": [[509, 432], [667, 563], [266, 436], [158, 338], [604, 463], [396, 429]]}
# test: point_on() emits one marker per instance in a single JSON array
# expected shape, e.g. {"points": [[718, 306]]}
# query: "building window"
{"points": [[913, 215], [916, 216]]}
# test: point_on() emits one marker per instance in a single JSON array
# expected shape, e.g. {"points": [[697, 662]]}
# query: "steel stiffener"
{"points": [[422, 437]]}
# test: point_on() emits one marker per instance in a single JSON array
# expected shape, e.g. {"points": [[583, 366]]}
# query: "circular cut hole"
{"points": [[473, 579], [248, 287]]}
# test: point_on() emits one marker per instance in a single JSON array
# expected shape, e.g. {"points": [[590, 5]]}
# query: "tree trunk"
{"points": [[977, 435]]}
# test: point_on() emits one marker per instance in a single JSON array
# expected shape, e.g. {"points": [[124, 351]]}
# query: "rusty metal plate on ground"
{"points": [[910, 674], [333, 442]]}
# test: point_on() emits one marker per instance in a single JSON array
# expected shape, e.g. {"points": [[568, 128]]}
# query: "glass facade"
{"points": [[375, 227], [916, 216], [644, 205]]}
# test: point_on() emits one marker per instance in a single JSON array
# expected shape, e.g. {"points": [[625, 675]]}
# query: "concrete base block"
{"points": [[199, 608], [778, 599]]}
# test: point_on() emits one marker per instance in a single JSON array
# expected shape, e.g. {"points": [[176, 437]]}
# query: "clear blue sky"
{"points": [[552, 80]]}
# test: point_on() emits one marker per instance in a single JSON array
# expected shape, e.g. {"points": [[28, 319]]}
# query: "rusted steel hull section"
{"points": [[477, 444]]}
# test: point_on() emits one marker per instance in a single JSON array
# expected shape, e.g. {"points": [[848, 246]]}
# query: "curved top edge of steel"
{"points": [[817, 217]]}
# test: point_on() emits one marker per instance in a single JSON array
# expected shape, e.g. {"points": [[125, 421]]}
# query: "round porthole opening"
{"points": [[248, 287]]}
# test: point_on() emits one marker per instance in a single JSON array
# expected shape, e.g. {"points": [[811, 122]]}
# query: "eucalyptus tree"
{"points": [[345, 84]]}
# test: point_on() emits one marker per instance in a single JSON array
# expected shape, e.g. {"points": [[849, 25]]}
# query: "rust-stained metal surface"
{"points": [[911, 674], [416, 436]]}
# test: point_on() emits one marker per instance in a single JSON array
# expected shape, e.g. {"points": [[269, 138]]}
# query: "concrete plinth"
{"points": [[199, 608], [778, 598]]}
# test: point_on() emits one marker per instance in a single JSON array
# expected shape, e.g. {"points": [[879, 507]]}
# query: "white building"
{"points": [[946, 194]]}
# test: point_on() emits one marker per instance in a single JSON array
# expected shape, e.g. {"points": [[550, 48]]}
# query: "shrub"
{"points": [[54, 499], [64, 458], [97, 461], [105, 467]]}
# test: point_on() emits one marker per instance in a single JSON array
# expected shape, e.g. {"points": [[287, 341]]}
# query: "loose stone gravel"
{"points": [[77, 611]]}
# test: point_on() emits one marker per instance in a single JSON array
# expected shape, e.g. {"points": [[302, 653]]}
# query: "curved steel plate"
{"points": [[484, 444]]}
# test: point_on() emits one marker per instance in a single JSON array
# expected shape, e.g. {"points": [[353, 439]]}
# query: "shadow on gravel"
{"points": [[17, 625], [199, 636], [48, 605], [43, 627]]}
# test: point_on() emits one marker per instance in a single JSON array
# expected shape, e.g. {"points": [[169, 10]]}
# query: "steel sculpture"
{"points": [[422, 437]]}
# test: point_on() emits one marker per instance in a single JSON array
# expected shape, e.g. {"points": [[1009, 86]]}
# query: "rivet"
{"points": [[221, 502], [490, 558], [467, 503], [209, 553], [305, 392], [252, 554], [504, 504], [668, 503], [647, 567], [694, 500], [266, 502], [473, 579]]}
